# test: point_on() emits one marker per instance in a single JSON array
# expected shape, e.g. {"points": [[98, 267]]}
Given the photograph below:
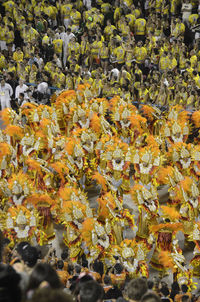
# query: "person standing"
{"points": [[6, 92], [20, 88], [186, 10]]}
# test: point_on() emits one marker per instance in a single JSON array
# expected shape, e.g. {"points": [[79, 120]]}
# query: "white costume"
{"points": [[21, 89], [66, 38], [6, 92]]}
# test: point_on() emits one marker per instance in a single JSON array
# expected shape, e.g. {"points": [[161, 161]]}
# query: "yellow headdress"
{"points": [[140, 194]]}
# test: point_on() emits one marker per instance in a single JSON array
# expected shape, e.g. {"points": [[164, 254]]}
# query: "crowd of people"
{"points": [[144, 50], [99, 96], [32, 277]]}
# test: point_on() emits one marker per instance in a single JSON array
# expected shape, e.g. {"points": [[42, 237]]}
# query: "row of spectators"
{"points": [[25, 275]]}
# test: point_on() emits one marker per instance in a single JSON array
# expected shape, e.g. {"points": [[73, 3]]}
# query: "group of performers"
{"points": [[51, 156]]}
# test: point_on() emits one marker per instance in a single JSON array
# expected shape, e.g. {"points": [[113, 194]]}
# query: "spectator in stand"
{"points": [[136, 288], [50, 295], [90, 291], [151, 297], [63, 275], [6, 93], [21, 88], [9, 284], [43, 275]]}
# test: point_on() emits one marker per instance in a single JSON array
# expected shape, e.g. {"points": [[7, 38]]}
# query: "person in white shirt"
{"points": [[186, 10], [6, 92], [67, 38], [21, 88], [87, 4]]}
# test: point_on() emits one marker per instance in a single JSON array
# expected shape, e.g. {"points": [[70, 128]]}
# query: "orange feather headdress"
{"points": [[13, 130], [170, 212], [196, 118], [166, 259], [4, 149], [172, 227], [40, 200], [100, 180], [95, 123]]}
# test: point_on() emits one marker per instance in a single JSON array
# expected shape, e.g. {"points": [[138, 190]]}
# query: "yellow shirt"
{"points": [[119, 53], [123, 28], [117, 14], [158, 6], [66, 10], [197, 81], [12, 69], [95, 47], [9, 5], [85, 47], [106, 7], [73, 46], [18, 56], [190, 71], [69, 82], [3, 32], [75, 17], [140, 54], [193, 61], [173, 6], [143, 93], [10, 37], [173, 64], [58, 45], [38, 10], [71, 59], [48, 10], [140, 26], [131, 20], [61, 78], [2, 62], [98, 18], [128, 3], [179, 29], [109, 30], [45, 40], [104, 53], [182, 61], [193, 18], [164, 62]]}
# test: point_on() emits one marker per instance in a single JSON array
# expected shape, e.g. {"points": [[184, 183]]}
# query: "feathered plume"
{"points": [[166, 226], [99, 179], [60, 168], [12, 130], [40, 199], [148, 111], [65, 193], [170, 212], [87, 227], [4, 149], [164, 174], [33, 164], [69, 147], [6, 116], [95, 123], [186, 183], [165, 259], [196, 118]]}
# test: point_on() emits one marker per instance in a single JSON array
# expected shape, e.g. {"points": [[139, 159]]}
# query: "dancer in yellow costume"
{"points": [[147, 203]]}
